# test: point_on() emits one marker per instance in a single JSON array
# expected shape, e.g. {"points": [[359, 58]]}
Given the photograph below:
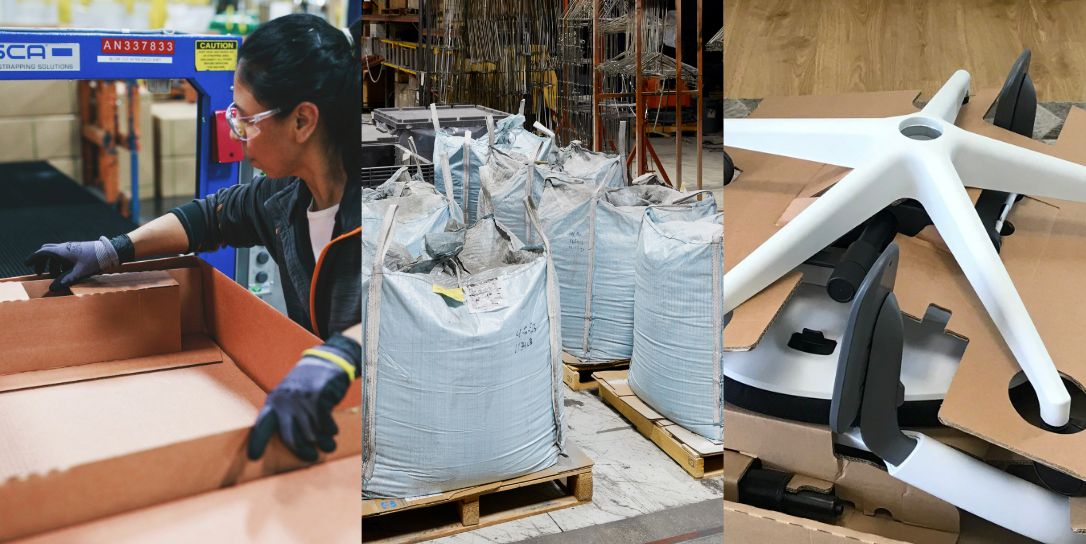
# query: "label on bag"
{"points": [[485, 296]]}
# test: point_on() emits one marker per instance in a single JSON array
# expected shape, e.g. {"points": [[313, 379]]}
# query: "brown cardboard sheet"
{"points": [[315, 504], [1047, 268], [807, 450], [104, 446], [745, 523], [116, 317], [54, 428], [196, 349]]}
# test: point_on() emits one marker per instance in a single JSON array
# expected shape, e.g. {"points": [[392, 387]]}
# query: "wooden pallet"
{"points": [[698, 456], [577, 374], [566, 484]]}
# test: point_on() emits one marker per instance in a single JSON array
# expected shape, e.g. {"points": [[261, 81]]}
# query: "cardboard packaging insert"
{"points": [[108, 318], [1045, 258], [879, 508], [90, 440]]}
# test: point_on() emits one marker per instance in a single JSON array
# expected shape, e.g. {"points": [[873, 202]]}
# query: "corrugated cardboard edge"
{"points": [[195, 350], [131, 281], [745, 523]]}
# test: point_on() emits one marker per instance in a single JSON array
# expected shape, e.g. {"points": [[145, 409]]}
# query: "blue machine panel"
{"points": [[203, 60]]}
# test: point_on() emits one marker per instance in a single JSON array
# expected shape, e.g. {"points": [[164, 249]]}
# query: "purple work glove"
{"points": [[72, 262], [300, 407]]}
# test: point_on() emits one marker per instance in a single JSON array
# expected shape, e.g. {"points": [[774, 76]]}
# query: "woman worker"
{"points": [[297, 91]]}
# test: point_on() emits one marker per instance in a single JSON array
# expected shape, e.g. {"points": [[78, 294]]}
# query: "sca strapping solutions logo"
{"points": [[39, 57]]}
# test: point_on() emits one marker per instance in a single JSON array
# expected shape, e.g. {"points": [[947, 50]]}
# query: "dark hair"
{"points": [[303, 58]]}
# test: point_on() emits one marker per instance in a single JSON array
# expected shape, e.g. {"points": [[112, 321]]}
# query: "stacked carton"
{"points": [[39, 120], [175, 147]]}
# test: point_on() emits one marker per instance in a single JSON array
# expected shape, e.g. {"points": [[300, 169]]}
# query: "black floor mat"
{"points": [[40, 205]]}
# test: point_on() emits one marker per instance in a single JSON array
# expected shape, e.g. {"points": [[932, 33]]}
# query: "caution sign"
{"points": [[216, 55]]}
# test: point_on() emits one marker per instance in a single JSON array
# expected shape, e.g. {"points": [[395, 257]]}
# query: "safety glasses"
{"points": [[245, 128]]}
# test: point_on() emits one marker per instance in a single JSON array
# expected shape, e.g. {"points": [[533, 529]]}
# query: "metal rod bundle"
{"points": [[716, 43], [494, 53]]}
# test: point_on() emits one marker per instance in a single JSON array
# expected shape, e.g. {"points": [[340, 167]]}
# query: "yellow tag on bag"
{"points": [[454, 293]]}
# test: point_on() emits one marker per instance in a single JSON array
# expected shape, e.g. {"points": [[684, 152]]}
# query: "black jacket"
{"points": [[271, 212]]}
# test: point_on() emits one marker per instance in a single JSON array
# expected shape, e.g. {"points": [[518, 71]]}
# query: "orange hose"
{"points": [[316, 274]]}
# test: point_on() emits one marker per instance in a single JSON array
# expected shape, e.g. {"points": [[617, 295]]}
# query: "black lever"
{"points": [[768, 489], [877, 233]]}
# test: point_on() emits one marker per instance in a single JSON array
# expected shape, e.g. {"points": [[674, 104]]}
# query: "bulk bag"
{"points": [[461, 381], [467, 155], [600, 168], [594, 238], [421, 210], [678, 343], [507, 180], [511, 136], [461, 157]]}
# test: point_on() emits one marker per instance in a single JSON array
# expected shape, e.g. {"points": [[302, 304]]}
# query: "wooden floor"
{"points": [[795, 47]]}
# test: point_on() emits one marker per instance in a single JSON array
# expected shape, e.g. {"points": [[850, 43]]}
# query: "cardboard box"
{"points": [[174, 148], [744, 523], [128, 439], [56, 136], [45, 97], [37, 138], [104, 319], [147, 177], [177, 176], [16, 139], [174, 128]]}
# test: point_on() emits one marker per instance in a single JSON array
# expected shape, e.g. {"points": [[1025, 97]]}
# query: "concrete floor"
{"points": [[712, 177], [700, 523]]}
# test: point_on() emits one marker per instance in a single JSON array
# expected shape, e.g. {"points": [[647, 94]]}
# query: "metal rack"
{"points": [[493, 53], [614, 70]]}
